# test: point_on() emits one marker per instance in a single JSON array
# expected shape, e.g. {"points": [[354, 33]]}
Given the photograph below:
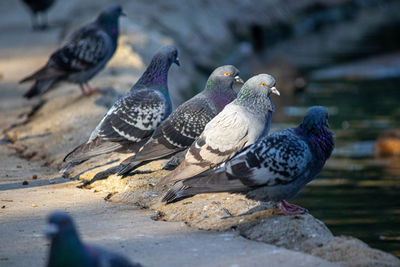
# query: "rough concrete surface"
{"points": [[37, 135]]}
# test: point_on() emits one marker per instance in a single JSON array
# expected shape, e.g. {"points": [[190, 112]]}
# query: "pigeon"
{"points": [[275, 168], [39, 6], [130, 122], [238, 125], [67, 249], [187, 122], [82, 57]]}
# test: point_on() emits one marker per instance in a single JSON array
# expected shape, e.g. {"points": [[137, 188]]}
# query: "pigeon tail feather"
{"points": [[125, 168], [148, 153], [208, 182], [40, 87], [44, 73], [87, 150]]}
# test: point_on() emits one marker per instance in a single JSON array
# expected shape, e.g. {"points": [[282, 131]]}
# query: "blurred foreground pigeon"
{"points": [[67, 249], [187, 122], [238, 125], [132, 119], [274, 168], [82, 57], [37, 7]]}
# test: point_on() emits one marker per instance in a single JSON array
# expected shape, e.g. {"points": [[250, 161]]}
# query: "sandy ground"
{"points": [[118, 226]]}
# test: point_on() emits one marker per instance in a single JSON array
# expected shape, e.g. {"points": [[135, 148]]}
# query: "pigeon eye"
{"points": [[263, 84], [326, 116], [174, 53], [227, 74]]}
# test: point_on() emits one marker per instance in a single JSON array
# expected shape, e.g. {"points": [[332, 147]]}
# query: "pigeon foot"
{"points": [[291, 209]]}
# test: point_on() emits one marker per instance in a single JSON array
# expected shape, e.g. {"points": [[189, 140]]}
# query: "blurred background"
{"points": [[342, 54]]}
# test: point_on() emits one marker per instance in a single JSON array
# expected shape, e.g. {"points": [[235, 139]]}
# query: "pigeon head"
{"points": [[256, 91], [223, 78], [66, 248], [111, 13], [227, 71], [108, 18], [59, 225], [314, 126], [156, 74], [170, 53], [219, 86], [316, 118]]}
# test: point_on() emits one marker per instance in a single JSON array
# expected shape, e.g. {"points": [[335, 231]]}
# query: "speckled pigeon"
{"points": [[187, 122], [274, 168], [82, 57], [130, 122], [67, 249], [238, 125], [37, 7]]}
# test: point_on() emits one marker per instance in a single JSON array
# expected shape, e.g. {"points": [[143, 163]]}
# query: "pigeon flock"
{"points": [[224, 132]]}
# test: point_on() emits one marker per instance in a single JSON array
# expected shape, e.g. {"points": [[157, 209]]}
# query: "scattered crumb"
{"points": [[34, 205], [19, 166], [7, 200], [34, 177], [3, 207], [25, 183]]}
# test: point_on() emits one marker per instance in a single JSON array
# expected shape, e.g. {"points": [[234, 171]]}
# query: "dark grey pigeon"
{"points": [[187, 122], [39, 7], [238, 125], [274, 168], [82, 57], [67, 249], [132, 119]]}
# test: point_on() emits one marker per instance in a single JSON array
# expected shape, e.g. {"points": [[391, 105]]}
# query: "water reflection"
{"points": [[356, 194]]}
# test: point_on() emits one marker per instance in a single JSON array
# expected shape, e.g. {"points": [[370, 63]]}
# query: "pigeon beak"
{"points": [[327, 125], [176, 61], [275, 91], [51, 230], [238, 79], [123, 14]]}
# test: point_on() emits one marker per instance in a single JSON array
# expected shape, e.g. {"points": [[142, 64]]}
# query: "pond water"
{"points": [[356, 194]]}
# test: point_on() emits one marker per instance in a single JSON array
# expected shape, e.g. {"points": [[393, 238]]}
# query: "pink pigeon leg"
{"points": [[291, 209]]}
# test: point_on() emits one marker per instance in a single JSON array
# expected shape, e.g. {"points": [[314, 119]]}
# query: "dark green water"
{"points": [[356, 194]]}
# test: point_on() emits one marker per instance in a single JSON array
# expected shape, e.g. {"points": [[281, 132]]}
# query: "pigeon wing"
{"points": [[174, 134], [86, 49], [133, 118], [276, 160], [222, 137]]}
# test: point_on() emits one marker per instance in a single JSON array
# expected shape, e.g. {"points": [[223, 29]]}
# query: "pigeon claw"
{"points": [[291, 209], [90, 90]]}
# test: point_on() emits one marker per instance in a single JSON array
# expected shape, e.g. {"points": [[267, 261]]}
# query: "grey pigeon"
{"points": [[130, 122], [67, 249], [82, 57], [187, 122], [274, 168], [39, 7], [238, 125]]}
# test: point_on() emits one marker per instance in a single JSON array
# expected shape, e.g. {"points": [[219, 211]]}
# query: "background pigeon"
{"points": [[187, 122], [68, 250], [82, 57], [132, 119], [39, 6], [274, 168], [238, 125]]}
